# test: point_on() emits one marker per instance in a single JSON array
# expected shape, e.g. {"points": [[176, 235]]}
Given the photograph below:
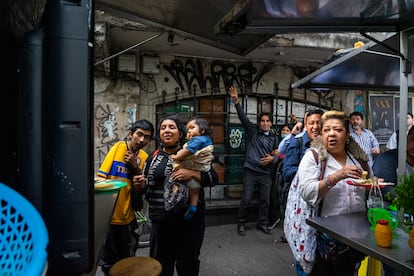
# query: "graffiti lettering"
{"points": [[236, 137], [186, 74], [106, 129], [190, 74]]}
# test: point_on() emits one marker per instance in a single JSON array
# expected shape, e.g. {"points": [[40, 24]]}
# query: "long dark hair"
{"points": [[180, 127]]}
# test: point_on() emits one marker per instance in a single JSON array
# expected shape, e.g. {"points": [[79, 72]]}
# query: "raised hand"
{"points": [[234, 94]]}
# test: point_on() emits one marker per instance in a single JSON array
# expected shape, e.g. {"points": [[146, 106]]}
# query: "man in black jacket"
{"points": [[259, 163]]}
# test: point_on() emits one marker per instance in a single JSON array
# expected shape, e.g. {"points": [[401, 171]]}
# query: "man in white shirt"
{"points": [[392, 142], [364, 137]]}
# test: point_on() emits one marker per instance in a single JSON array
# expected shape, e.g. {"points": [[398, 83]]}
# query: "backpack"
{"points": [[285, 185], [300, 236]]}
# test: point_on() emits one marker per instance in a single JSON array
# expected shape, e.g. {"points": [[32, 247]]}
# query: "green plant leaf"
{"points": [[404, 194]]}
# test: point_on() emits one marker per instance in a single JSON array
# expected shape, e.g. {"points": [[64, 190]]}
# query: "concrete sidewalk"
{"points": [[225, 253]]}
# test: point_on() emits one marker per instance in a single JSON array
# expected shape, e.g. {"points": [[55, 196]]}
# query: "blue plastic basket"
{"points": [[23, 235]]}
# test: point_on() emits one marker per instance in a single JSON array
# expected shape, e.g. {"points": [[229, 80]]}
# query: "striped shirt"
{"points": [[367, 141], [157, 170]]}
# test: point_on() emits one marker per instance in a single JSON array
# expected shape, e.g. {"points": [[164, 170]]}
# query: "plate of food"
{"points": [[367, 183], [109, 185]]}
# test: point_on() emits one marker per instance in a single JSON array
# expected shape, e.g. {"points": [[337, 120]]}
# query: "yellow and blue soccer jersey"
{"points": [[114, 167]]}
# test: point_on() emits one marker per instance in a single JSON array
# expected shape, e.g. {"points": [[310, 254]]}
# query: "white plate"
{"points": [[367, 184]]}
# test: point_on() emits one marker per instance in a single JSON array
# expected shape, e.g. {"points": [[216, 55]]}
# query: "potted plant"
{"points": [[404, 201]]}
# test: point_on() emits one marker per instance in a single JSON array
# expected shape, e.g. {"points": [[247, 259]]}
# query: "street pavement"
{"points": [[226, 253]]}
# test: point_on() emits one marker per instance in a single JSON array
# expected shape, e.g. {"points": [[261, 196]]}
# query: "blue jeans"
{"points": [[299, 270]]}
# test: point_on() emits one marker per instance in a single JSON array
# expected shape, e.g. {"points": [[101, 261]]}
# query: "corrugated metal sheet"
{"points": [[371, 67]]}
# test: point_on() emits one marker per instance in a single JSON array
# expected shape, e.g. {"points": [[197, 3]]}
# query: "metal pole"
{"points": [[402, 140], [127, 49]]}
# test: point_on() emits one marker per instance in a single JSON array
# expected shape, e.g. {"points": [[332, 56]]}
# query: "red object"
{"points": [[383, 221]]}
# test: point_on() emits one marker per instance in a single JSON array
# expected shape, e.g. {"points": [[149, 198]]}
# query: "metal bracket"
{"points": [[407, 63]]}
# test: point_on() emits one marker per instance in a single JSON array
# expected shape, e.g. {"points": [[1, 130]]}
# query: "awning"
{"points": [[307, 16], [373, 67], [193, 19], [240, 26], [370, 67]]}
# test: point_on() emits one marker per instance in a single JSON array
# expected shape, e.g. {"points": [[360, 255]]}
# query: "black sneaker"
{"points": [[264, 229], [241, 229], [105, 269]]}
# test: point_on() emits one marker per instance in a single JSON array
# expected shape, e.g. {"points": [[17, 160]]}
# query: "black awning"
{"points": [[370, 67], [310, 16], [240, 26]]}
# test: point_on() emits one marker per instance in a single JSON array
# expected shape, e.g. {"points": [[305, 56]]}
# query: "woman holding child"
{"points": [[175, 241]]}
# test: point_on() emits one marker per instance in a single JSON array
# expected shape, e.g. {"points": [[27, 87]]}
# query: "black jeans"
{"points": [[264, 181], [121, 242], [177, 243]]}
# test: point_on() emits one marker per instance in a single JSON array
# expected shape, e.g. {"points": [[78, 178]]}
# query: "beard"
{"points": [[356, 126]]}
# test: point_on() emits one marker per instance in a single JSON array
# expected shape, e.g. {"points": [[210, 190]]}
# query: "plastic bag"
{"points": [[375, 199]]}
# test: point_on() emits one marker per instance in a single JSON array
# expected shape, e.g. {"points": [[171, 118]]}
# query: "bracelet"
{"points": [[328, 182]]}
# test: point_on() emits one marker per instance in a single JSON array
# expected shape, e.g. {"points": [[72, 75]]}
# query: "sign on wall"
{"points": [[359, 101], [397, 108], [280, 107], [382, 114], [111, 124], [385, 113]]}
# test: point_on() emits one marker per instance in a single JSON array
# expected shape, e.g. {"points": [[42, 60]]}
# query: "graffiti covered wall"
{"points": [[121, 97]]}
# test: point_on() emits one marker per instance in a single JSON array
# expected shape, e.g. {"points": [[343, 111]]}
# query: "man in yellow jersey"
{"points": [[124, 160]]}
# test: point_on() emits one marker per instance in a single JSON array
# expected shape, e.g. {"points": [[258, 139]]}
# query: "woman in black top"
{"points": [[175, 241]]}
